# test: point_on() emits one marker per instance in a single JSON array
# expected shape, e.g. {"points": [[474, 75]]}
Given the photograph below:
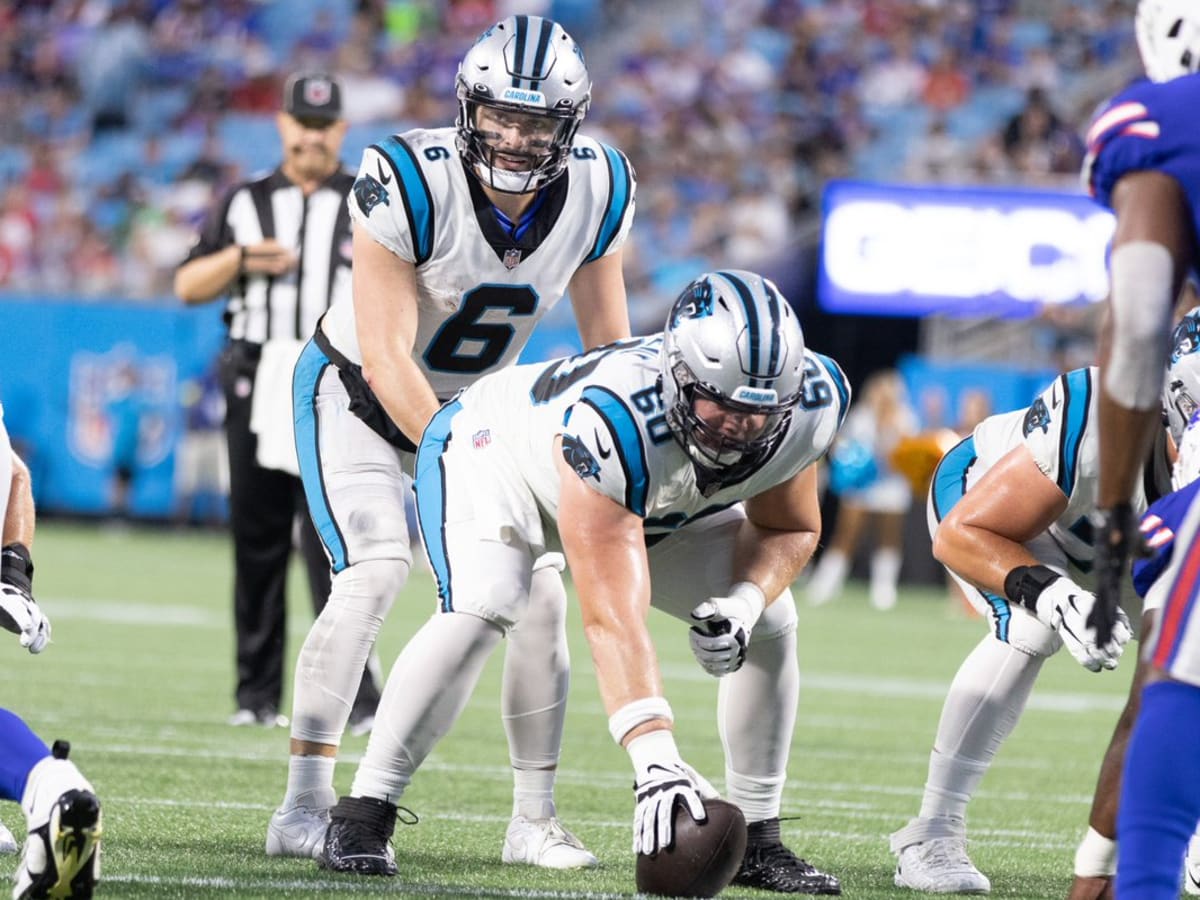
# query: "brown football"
{"points": [[703, 857]]}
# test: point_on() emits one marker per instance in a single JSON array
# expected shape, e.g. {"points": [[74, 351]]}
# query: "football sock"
{"points": [[533, 696], [885, 575], [22, 751], [331, 662], [1160, 792], [756, 714], [310, 782], [985, 700], [428, 687]]}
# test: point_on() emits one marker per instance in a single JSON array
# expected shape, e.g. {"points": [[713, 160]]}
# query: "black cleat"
{"points": [[359, 837], [771, 866]]}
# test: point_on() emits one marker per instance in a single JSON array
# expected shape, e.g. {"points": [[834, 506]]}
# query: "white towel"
{"points": [[271, 405]]}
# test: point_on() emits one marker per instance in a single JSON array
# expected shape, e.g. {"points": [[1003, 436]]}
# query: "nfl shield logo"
{"points": [[512, 258], [317, 91], [481, 439]]}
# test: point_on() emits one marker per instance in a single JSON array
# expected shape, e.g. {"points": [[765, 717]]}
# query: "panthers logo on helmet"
{"points": [[369, 193], [1186, 338], [1037, 417], [696, 303], [580, 458]]}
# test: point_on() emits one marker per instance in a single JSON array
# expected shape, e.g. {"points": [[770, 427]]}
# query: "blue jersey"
{"points": [[1159, 525], [1149, 126]]}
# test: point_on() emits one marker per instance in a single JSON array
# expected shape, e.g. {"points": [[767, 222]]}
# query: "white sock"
{"points": [[828, 577], [984, 703], [310, 782], [533, 793], [756, 713], [428, 687], [885, 576]]}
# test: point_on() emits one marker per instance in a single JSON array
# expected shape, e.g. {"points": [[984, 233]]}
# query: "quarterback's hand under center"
{"points": [[722, 631]]}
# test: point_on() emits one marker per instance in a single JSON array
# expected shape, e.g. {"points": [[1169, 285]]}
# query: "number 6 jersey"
{"points": [[481, 289]]}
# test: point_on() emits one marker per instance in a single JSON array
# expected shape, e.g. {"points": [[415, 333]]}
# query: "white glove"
{"points": [[662, 779], [20, 614], [722, 630], [1065, 607]]}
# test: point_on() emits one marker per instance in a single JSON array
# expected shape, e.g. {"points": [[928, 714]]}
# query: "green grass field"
{"points": [[139, 679]]}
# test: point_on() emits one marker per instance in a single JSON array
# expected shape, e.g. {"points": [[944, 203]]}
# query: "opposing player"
{"points": [[1143, 162], [1096, 857], [464, 238], [61, 856], [674, 470], [1009, 511]]}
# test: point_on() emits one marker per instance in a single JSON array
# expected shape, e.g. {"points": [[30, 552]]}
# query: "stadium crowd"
{"points": [[120, 121]]}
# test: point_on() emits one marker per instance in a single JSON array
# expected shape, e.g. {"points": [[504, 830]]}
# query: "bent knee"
{"points": [[777, 620]]}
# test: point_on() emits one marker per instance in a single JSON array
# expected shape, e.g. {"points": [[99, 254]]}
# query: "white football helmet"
{"points": [[731, 338], [1168, 37], [530, 66], [1181, 390]]}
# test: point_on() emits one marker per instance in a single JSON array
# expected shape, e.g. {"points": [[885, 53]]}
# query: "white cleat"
{"points": [[298, 831], [940, 866], [1191, 868], [545, 843], [61, 857], [8, 843]]}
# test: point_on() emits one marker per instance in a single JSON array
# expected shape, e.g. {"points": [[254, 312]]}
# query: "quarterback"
{"points": [[674, 470], [464, 238]]}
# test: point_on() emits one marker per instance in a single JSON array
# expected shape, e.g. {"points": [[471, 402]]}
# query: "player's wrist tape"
{"points": [[653, 747], [1096, 856], [1024, 584], [16, 566], [636, 713], [750, 594]]}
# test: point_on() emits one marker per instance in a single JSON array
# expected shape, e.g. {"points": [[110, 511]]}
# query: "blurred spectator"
{"points": [[869, 488], [937, 155], [946, 84], [895, 80], [113, 65], [201, 463], [1038, 143]]}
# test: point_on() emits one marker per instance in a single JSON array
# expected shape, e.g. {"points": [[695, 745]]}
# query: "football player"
{"points": [[675, 470], [1010, 514], [61, 856], [1096, 857], [464, 238], [1143, 162]]}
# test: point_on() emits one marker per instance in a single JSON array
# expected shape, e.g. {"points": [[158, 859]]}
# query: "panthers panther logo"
{"points": [[370, 193], [695, 303], [1037, 417], [580, 458], [1185, 339]]}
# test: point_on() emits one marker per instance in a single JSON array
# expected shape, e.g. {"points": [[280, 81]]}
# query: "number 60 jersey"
{"points": [[481, 290], [607, 406]]}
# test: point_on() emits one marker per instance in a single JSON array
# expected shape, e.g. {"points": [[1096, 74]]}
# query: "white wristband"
{"points": [[633, 714], [1096, 856], [752, 596]]}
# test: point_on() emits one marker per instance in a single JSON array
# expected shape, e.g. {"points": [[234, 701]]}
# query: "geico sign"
{"points": [[1031, 254]]}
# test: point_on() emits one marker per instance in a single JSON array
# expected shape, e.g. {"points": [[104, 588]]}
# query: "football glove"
{"points": [[20, 614], [1061, 604], [1118, 538], [662, 779], [722, 631]]}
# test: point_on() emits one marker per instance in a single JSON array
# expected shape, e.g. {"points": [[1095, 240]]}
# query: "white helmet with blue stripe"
{"points": [[731, 339], [1181, 390], [1168, 37], [524, 66]]}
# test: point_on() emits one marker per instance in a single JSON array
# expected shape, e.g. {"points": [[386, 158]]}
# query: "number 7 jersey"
{"points": [[481, 287]]}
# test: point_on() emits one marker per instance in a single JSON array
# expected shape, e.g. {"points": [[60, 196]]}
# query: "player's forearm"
{"points": [[19, 517], [1126, 436], [402, 390], [206, 277], [981, 557], [771, 559]]}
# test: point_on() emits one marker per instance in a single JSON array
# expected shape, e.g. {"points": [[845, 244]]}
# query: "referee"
{"points": [[279, 248]]}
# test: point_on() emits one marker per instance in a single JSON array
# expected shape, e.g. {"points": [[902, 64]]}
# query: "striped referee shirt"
{"points": [[316, 228]]}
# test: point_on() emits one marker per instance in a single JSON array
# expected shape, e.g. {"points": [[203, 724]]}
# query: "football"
{"points": [[702, 858]]}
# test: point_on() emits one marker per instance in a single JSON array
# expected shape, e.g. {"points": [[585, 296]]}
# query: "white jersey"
{"points": [[607, 405], [1060, 429], [480, 290]]}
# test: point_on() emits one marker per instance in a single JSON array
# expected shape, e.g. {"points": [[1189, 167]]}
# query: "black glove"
{"points": [[1118, 540]]}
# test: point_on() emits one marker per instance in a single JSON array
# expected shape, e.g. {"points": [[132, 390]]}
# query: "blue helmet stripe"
{"points": [[627, 440], [775, 306], [620, 195], [539, 56], [519, 50], [752, 326], [418, 200]]}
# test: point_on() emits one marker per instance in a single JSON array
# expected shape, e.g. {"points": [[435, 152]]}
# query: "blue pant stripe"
{"points": [[309, 368]]}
